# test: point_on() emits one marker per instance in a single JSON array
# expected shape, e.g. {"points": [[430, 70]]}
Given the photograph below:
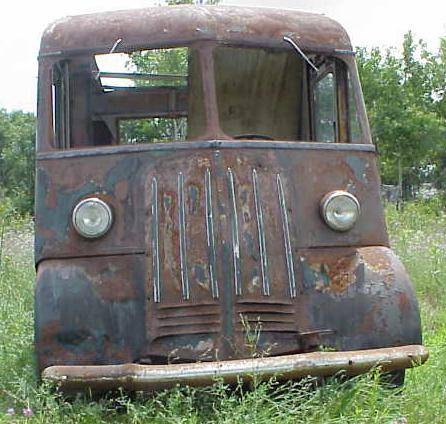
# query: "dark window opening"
{"points": [[61, 103], [355, 129]]}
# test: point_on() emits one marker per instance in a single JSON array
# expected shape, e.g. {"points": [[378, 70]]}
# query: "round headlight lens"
{"points": [[340, 210], [92, 217]]}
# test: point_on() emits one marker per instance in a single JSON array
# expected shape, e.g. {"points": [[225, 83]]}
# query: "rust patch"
{"points": [[377, 260], [329, 272], [342, 273]]}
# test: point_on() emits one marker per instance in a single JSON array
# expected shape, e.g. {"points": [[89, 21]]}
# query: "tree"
{"points": [[17, 140], [404, 98]]}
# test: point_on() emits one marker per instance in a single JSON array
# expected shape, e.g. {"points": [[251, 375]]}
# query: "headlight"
{"points": [[92, 217], [340, 210]]}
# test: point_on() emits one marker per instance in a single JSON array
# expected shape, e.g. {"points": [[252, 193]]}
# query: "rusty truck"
{"points": [[207, 204]]}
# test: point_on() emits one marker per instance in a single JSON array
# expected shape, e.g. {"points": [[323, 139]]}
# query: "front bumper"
{"points": [[152, 377]]}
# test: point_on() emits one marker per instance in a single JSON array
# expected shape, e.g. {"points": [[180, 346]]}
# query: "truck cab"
{"points": [[207, 204]]}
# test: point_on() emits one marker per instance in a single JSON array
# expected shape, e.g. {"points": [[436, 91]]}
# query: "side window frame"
{"points": [[61, 113], [325, 68], [341, 106]]}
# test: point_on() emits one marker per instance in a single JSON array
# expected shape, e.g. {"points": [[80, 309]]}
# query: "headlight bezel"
{"points": [[105, 208], [324, 209]]}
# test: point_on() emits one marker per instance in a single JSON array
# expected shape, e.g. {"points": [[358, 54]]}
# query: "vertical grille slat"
{"points": [[245, 195], [221, 238], [155, 243], [286, 238], [210, 234], [234, 234], [261, 234], [182, 229]]}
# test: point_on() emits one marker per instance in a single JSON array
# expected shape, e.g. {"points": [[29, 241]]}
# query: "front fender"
{"points": [[361, 296], [90, 311]]}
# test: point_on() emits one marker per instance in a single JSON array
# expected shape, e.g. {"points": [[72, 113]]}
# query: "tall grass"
{"points": [[418, 233]]}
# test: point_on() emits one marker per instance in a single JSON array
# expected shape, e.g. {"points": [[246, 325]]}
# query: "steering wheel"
{"points": [[253, 136]]}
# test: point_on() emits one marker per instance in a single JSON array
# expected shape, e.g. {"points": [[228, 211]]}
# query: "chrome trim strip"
{"points": [[286, 238], [261, 235], [234, 233], [210, 233], [155, 243], [182, 228]]}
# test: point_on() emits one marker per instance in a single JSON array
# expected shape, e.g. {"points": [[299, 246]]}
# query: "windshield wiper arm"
{"points": [[293, 43]]}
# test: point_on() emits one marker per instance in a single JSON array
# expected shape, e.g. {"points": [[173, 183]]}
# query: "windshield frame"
{"points": [[213, 130]]}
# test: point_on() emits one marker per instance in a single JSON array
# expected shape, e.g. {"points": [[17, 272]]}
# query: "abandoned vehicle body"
{"points": [[213, 210]]}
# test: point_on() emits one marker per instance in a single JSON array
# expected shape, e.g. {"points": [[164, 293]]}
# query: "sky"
{"points": [[369, 23]]}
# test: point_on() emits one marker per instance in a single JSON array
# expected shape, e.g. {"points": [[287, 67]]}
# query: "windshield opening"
{"points": [[141, 97], [260, 93], [273, 94], [157, 96]]}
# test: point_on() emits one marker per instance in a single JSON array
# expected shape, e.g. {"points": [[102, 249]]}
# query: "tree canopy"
{"points": [[406, 104]]}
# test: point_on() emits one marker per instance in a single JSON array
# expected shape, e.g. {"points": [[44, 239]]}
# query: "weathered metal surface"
{"points": [[122, 179], [90, 311], [153, 377], [207, 144], [175, 25], [217, 250], [224, 243]]}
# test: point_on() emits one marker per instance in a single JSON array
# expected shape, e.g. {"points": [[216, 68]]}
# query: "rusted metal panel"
{"points": [[140, 103], [124, 180], [90, 311], [103, 310], [223, 242], [182, 24], [153, 377]]}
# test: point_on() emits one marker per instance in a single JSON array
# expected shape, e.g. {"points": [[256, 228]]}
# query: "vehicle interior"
{"points": [[160, 95]]}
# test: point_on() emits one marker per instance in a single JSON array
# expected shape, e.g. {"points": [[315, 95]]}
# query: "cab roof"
{"points": [[180, 25]]}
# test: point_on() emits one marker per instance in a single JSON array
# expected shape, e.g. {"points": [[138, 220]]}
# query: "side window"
{"points": [[355, 129], [325, 109]]}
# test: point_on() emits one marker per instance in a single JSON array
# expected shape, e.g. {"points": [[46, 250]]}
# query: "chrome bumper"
{"points": [[152, 377]]}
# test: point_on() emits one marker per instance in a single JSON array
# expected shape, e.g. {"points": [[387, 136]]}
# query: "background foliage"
{"points": [[406, 104], [17, 137]]}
